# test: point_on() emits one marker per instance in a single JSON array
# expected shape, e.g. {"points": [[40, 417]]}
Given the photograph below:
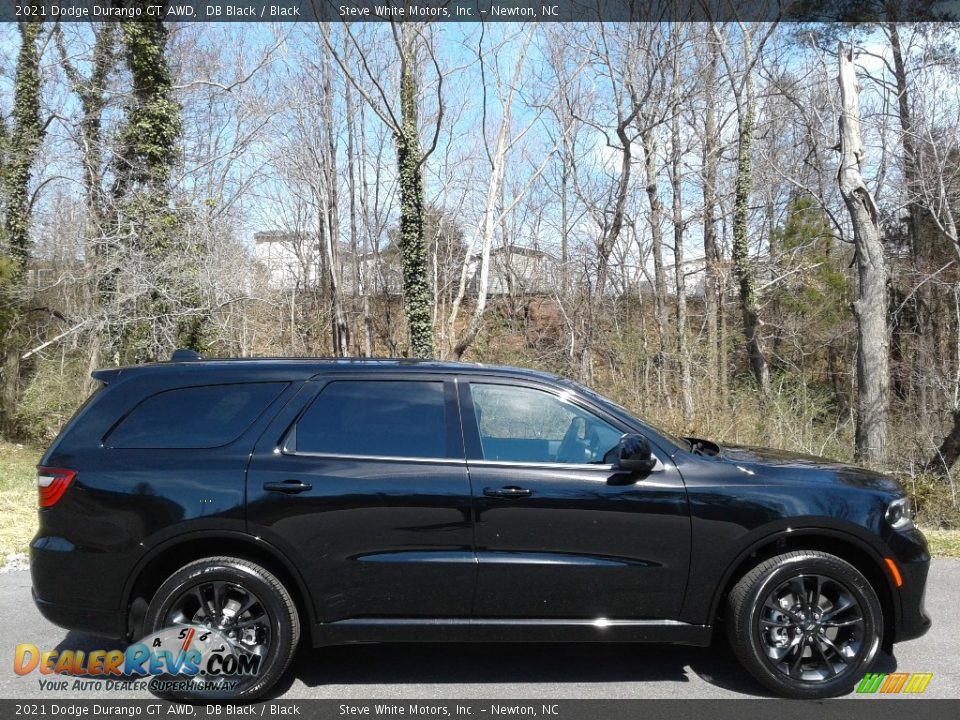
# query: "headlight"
{"points": [[900, 513]]}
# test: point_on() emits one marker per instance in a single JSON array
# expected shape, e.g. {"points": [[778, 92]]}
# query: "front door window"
{"points": [[519, 424]]}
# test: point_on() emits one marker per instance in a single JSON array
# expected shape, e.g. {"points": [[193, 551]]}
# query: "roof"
{"points": [[307, 366]]}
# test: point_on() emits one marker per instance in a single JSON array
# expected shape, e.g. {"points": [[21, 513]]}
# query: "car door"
{"points": [[363, 485], [559, 532]]}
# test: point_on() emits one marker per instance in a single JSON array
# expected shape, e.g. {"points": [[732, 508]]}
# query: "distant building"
{"points": [[291, 259], [517, 270], [294, 261]]}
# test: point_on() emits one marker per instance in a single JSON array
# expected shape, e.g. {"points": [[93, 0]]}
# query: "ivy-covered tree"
{"points": [[745, 98], [417, 292], [147, 224], [19, 152], [92, 91], [22, 147]]}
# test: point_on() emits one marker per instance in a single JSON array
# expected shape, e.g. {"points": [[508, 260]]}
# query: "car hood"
{"points": [[770, 463]]}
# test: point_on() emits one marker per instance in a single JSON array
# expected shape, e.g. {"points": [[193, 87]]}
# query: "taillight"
{"points": [[52, 483]]}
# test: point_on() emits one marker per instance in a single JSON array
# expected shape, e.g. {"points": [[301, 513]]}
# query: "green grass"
{"points": [[944, 543], [18, 497], [18, 505]]}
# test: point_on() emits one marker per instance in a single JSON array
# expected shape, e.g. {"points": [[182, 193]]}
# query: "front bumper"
{"points": [[913, 560]]}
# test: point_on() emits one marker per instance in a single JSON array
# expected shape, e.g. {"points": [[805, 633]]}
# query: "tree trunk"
{"points": [[683, 353], [742, 265], [711, 282], [340, 332], [354, 233], [169, 313], [487, 231], [25, 139], [873, 352], [949, 451], [368, 270], [417, 293], [564, 226], [659, 274], [92, 93], [100, 243], [21, 152], [910, 173], [491, 218], [612, 232]]}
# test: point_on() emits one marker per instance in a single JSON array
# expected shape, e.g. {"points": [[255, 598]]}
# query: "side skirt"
{"points": [[379, 630]]}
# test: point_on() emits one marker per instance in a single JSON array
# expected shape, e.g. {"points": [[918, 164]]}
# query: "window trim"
{"points": [[454, 435], [605, 467], [471, 430], [378, 458]]}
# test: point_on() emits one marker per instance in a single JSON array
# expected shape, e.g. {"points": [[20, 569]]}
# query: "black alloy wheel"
{"points": [[806, 624], [246, 605]]}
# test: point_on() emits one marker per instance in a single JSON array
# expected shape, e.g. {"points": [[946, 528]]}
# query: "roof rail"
{"points": [[183, 355]]}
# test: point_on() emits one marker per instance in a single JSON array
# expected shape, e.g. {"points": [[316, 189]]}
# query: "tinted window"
{"points": [[527, 425], [194, 417], [390, 419]]}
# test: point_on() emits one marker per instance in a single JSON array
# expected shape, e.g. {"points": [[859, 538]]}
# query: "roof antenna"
{"points": [[183, 355]]}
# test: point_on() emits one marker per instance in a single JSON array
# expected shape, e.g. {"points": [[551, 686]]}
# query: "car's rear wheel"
{"points": [[806, 624], [235, 608]]}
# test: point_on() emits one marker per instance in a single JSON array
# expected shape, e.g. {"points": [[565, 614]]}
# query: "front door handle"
{"points": [[290, 487], [511, 491]]}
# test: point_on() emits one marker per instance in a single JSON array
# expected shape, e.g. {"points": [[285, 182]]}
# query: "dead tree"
{"points": [[870, 308]]}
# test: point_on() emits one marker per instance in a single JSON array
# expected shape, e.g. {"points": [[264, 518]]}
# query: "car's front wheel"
{"points": [[236, 617], [806, 624]]}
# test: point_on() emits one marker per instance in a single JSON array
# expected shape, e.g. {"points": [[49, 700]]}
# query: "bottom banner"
{"points": [[875, 707]]}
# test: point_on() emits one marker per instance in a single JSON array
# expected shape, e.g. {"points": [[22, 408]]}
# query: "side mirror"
{"points": [[635, 455]]}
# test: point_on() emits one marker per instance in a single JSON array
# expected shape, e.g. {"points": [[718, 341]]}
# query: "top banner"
{"points": [[859, 11]]}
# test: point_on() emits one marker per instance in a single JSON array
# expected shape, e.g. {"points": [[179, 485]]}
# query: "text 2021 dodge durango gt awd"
{"points": [[348, 501]]}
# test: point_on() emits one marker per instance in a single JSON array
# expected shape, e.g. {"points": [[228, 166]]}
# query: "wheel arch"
{"points": [[844, 545], [163, 560]]}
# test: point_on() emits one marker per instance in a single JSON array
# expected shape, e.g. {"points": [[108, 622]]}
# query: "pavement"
{"points": [[503, 671]]}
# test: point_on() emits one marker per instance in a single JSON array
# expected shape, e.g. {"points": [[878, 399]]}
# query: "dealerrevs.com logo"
{"points": [[186, 658], [889, 683]]}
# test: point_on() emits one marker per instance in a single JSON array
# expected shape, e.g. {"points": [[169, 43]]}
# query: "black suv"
{"points": [[395, 500]]}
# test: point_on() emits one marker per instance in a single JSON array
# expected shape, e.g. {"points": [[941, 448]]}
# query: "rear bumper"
{"points": [[77, 590], [108, 623]]}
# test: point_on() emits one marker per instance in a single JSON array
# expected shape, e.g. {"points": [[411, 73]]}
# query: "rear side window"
{"points": [[405, 419], [204, 416]]}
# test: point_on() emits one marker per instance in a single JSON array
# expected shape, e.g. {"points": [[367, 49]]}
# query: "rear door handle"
{"points": [[511, 491], [291, 487]]}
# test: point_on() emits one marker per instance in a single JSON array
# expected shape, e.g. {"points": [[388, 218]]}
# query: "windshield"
{"points": [[600, 399]]}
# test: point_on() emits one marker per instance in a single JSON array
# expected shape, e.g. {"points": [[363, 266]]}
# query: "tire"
{"points": [[794, 645], [272, 614]]}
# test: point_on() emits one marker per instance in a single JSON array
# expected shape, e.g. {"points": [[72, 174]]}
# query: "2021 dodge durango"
{"points": [[349, 501]]}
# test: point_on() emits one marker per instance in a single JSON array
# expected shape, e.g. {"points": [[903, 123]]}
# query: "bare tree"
{"points": [[873, 352], [413, 46], [712, 290], [745, 97], [676, 184], [491, 217]]}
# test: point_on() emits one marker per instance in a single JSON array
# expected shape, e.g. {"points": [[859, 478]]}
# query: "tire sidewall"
{"points": [[840, 572], [281, 631]]}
